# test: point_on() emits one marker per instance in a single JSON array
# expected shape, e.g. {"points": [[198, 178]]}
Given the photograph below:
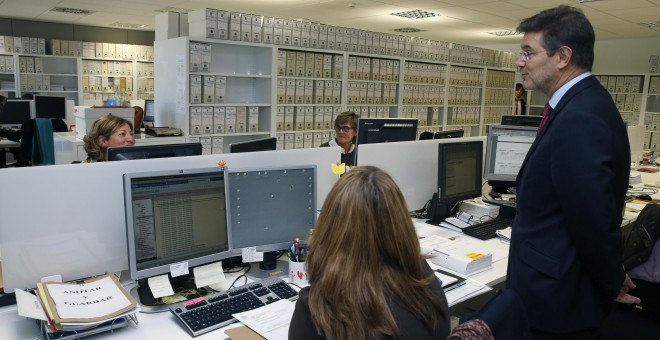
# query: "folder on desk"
{"points": [[455, 254]]}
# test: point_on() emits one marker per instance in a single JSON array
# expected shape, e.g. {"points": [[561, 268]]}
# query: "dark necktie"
{"points": [[546, 114]]}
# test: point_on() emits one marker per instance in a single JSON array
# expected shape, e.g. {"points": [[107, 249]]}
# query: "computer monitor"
{"points": [[385, 130], [521, 120], [459, 177], [269, 208], [124, 153], [174, 217], [50, 107], [264, 144], [16, 112], [441, 134], [149, 113], [506, 148]]}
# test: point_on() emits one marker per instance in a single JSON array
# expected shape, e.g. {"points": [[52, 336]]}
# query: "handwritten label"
{"points": [[251, 254], [179, 269]]}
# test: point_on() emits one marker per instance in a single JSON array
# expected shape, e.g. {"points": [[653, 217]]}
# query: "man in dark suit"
{"points": [[565, 259]]}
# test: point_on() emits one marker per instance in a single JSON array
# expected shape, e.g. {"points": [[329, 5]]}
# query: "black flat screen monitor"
{"points": [[124, 153], [149, 116], [50, 107], [174, 217], [385, 130], [459, 177], [534, 121], [270, 207], [506, 148], [16, 112], [441, 134], [264, 144]]}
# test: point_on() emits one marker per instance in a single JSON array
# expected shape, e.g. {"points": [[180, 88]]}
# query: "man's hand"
{"points": [[624, 297]]}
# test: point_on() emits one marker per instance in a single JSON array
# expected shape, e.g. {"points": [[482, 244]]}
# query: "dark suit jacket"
{"points": [[565, 258]]}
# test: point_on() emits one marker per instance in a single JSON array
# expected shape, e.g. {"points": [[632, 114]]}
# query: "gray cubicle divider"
{"points": [[413, 165], [69, 219]]}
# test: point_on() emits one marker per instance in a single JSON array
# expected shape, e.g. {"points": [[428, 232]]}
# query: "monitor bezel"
{"points": [[443, 148], [365, 123], [138, 274], [269, 142], [149, 118], [30, 114], [491, 147], [521, 120], [113, 153], [284, 244], [36, 99]]}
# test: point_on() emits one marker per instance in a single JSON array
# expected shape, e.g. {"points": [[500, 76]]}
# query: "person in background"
{"points": [[521, 104], [565, 256], [368, 279], [346, 131], [107, 131]]}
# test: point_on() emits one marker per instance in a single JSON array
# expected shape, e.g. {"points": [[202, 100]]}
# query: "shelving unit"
{"points": [[295, 103]]}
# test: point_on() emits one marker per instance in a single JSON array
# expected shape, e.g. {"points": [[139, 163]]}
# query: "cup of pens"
{"points": [[297, 271]]}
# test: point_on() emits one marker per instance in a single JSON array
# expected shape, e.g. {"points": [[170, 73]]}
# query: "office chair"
{"points": [[37, 141]]}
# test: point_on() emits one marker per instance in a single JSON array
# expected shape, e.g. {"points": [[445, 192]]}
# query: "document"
{"points": [[29, 305], [209, 274], [160, 286], [456, 254], [270, 321]]}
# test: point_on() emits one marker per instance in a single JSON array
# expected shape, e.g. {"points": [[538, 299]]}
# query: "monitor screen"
{"points": [[16, 112], [384, 130], [521, 120], [506, 148], [264, 144], [175, 216], [269, 207], [459, 176], [441, 134], [149, 110], [124, 153], [50, 107]]}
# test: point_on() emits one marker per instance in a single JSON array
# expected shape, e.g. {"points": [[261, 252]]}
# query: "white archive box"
{"points": [[86, 116]]}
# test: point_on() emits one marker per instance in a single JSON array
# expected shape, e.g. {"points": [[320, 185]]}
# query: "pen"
{"points": [[441, 252], [454, 286]]}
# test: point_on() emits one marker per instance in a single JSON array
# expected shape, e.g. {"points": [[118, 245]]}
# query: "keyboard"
{"points": [[204, 314], [486, 230]]}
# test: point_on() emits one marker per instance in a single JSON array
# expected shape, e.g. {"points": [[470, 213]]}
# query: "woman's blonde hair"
{"points": [[365, 254], [104, 126]]}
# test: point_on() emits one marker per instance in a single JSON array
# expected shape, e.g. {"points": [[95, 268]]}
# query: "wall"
{"points": [[51, 30], [612, 56]]}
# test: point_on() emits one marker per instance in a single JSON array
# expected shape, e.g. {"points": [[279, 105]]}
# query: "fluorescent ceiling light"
{"points": [[416, 14]]}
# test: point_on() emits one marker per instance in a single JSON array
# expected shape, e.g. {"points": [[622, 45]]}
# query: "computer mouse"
{"points": [[644, 197]]}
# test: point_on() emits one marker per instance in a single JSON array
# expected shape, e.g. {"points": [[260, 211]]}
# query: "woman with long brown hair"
{"points": [[368, 279]]}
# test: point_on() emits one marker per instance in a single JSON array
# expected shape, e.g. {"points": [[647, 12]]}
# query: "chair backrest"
{"points": [[639, 243]]}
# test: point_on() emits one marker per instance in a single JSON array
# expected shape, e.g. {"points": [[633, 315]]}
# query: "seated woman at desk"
{"points": [[107, 131], [367, 277], [346, 131]]}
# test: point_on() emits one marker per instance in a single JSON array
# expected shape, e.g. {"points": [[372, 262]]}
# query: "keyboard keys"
{"points": [[205, 314], [486, 230]]}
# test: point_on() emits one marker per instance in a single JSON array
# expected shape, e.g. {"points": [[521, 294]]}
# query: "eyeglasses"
{"points": [[343, 128], [526, 55]]}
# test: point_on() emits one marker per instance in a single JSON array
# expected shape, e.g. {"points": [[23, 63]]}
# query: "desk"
{"points": [[68, 148], [6, 144]]}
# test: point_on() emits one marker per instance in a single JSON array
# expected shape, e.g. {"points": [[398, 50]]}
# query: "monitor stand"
{"points": [[149, 304], [269, 267]]}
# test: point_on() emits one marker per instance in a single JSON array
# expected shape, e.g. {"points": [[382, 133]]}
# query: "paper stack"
{"points": [[455, 254]]}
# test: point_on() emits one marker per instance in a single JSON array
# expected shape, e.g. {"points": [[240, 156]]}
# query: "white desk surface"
{"points": [[165, 326], [6, 143]]}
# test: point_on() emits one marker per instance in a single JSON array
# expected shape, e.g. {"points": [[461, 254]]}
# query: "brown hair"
{"points": [[347, 117], [364, 254], [104, 126]]}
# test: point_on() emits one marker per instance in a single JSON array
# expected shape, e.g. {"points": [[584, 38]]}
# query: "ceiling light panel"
{"points": [[416, 14]]}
